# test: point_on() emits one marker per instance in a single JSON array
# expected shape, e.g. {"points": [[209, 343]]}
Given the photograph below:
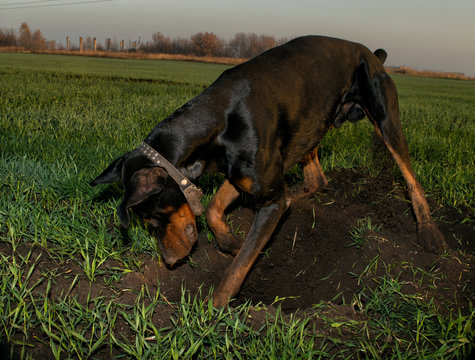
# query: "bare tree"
{"points": [[182, 46], [24, 36], [239, 45], [161, 43], [114, 45], [51, 44], [30, 41], [265, 42], [7, 37], [249, 45], [38, 42], [205, 44], [89, 44], [281, 41]]}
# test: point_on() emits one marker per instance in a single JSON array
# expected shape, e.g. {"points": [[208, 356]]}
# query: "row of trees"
{"points": [[242, 45], [208, 44], [26, 38]]}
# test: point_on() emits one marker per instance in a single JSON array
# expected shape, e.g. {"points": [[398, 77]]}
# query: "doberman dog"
{"points": [[253, 123]]}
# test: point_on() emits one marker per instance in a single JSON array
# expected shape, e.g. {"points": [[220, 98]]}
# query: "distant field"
{"points": [[177, 71], [64, 259]]}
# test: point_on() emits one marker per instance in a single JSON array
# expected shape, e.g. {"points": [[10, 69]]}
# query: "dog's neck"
{"points": [[182, 148]]}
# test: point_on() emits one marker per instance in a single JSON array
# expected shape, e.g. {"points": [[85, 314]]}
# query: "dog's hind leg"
{"points": [[215, 217], [383, 110], [314, 177]]}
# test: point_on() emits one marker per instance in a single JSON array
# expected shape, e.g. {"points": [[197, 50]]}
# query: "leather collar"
{"points": [[192, 193]]}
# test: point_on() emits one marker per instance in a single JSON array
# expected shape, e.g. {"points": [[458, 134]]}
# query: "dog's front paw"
{"points": [[431, 238], [230, 243], [219, 300]]}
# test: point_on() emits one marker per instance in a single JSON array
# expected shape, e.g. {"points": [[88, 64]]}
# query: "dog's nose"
{"points": [[170, 259]]}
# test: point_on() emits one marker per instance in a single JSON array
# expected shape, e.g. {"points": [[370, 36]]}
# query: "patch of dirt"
{"points": [[310, 258]]}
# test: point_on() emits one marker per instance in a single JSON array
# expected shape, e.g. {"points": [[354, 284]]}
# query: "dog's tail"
{"points": [[381, 54]]}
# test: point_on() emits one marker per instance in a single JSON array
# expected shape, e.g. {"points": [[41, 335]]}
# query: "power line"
{"points": [[50, 5], [28, 2]]}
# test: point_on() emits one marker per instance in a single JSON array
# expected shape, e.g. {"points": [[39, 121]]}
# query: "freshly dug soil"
{"points": [[311, 259]]}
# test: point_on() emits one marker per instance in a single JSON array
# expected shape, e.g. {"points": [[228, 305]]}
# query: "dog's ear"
{"points": [[143, 184], [381, 54], [352, 105], [113, 172], [362, 79], [370, 90]]}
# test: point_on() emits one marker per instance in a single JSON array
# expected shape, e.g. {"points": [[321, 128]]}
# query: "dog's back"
{"points": [[294, 89]]}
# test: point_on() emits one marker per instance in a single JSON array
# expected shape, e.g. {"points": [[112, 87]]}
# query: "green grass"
{"points": [[63, 119], [357, 233], [171, 71], [392, 325]]}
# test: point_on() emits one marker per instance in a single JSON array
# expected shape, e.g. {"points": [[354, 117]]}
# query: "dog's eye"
{"points": [[167, 210], [153, 222]]}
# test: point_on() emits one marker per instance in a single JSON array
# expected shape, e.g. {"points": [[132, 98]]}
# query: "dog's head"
{"points": [[157, 199]]}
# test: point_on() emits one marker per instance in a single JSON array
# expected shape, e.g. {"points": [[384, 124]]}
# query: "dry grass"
{"points": [[403, 70], [132, 55]]}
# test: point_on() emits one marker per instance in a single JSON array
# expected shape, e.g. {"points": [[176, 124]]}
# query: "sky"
{"points": [[437, 35]]}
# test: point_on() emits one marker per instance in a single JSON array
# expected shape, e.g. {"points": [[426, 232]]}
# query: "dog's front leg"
{"points": [[215, 217], [264, 224]]}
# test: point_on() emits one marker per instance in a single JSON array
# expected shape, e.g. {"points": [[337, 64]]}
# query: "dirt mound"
{"points": [[325, 247]]}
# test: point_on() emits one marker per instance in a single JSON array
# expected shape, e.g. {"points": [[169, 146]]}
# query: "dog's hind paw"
{"points": [[431, 238]]}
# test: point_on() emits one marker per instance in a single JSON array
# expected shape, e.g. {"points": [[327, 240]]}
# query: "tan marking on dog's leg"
{"points": [[387, 117], [421, 207], [314, 177], [245, 184], [428, 233], [215, 217]]}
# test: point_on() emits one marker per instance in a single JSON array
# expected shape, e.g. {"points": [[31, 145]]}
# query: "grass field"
{"points": [[63, 119]]}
